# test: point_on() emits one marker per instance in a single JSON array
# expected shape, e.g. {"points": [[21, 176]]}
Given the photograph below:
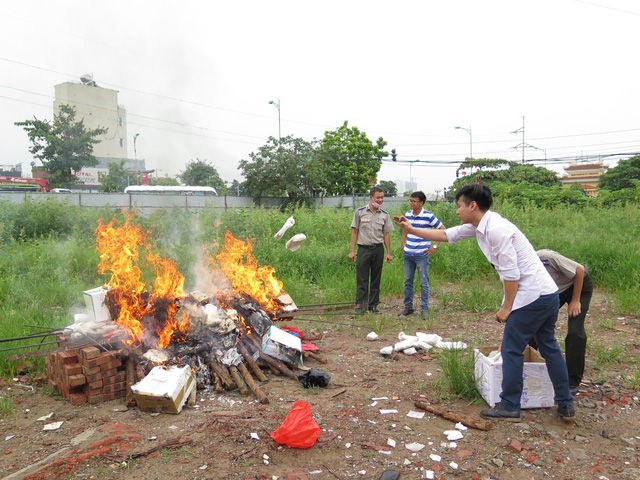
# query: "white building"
{"points": [[98, 107]]}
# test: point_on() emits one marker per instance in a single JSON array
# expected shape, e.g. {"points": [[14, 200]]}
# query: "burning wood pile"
{"points": [[225, 337]]}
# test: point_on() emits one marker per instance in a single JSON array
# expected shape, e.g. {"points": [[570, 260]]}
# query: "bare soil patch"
{"points": [[214, 439]]}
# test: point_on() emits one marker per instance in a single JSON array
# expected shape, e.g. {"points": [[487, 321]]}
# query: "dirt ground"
{"points": [[227, 436]]}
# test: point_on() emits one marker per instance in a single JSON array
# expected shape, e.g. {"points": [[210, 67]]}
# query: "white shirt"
{"points": [[510, 253]]}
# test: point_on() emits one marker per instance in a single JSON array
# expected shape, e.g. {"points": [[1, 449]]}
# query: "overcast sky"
{"points": [[196, 77]]}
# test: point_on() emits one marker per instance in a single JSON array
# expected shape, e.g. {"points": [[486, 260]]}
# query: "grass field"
{"points": [[48, 255]]}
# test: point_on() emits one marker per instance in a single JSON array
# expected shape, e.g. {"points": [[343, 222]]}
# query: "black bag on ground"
{"points": [[314, 378]]}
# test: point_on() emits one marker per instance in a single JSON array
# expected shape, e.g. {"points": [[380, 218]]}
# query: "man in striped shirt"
{"points": [[416, 252]]}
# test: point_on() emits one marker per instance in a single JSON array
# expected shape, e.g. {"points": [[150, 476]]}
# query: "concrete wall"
{"points": [[147, 204]]}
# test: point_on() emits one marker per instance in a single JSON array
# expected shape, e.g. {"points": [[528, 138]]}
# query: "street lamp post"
{"points": [[135, 153], [277, 105], [468, 130]]}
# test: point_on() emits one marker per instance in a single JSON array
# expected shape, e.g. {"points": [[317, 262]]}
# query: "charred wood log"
{"points": [[238, 379], [257, 391], [248, 358], [273, 362], [131, 380], [217, 386], [140, 373], [221, 371], [315, 356], [453, 416]]}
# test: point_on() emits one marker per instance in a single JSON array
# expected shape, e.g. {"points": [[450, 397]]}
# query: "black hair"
{"points": [[375, 190], [476, 192], [419, 195]]}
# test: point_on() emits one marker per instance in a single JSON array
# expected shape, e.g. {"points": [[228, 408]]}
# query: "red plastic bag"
{"points": [[299, 429]]}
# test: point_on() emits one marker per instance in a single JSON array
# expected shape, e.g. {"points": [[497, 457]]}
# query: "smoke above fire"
{"points": [[147, 310]]}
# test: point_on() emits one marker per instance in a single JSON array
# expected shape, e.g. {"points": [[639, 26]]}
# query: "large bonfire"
{"points": [[151, 316]]}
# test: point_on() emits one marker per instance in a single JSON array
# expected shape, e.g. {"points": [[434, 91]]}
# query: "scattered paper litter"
{"points": [[414, 447], [454, 465], [287, 225], [413, 414], [8, 437], [385, 452], [453, 435], [429, 475], [389, 410], [255, 436], [53, 426], [372, 336], [460, 427], [435, 458], [373, 404], [44, 418], [410, 351], [391, 442], [380, 398]]}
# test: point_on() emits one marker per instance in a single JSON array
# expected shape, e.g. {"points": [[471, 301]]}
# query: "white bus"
{"points": [[173, 190]]}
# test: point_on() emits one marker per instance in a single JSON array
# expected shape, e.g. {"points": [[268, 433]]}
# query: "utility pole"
{"points": [[522, 145]]}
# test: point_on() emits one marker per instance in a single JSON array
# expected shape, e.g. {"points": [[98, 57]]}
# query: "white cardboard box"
{"points": [[164, 389], [537, 391], [282, 345], [94, 300]]}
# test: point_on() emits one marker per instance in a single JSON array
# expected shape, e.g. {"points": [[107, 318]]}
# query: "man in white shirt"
{"points": [[530, 303]]}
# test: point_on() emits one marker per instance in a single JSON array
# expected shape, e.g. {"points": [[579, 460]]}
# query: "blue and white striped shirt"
{"points": [[425, 219]]}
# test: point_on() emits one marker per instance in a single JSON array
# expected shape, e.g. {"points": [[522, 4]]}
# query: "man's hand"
{"points": [[352, 255], [402, 222], [502, 315], [389, 257], [574, 308]]}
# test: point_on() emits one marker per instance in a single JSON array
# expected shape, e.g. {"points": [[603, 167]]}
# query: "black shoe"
{"points": [[574, 389], [374, 310], [498, 412], [406, 311], [567, 412]]}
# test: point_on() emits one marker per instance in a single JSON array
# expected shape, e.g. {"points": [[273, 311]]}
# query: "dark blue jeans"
{"points": [[421, 263], [536, 320]]}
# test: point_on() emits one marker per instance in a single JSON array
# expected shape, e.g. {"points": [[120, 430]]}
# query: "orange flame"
{"points": [[237, 262], [119, 248]]}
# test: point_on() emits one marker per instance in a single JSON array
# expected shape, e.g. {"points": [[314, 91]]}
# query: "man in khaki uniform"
{"points": [[370, 228]]}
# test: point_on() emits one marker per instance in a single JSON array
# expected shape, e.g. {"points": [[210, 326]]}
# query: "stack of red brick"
{"points": [[87, 375]]}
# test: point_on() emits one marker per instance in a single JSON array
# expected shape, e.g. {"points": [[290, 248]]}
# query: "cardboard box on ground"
{"points": [[164, 389], [537, 391]]}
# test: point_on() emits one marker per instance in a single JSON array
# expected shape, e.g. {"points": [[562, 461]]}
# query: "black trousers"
{"points": [[369, 261], [575, 343]]}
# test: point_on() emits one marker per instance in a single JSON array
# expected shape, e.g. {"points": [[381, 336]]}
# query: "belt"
{"points": [[375, 245]]}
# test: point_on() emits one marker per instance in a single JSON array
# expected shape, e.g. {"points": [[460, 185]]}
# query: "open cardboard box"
{"points": [[282, 345], [537, 391]]}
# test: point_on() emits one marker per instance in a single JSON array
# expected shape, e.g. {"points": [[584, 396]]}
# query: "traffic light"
{"points": [[393, 155]]}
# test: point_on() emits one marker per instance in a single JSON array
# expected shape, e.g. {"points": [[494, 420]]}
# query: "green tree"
{"points": [[497, 173], [199, 173], [389, 187], [282, 167], [351, 160], [622, 175], [166, 182], [64, 146], [116, 179]]}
